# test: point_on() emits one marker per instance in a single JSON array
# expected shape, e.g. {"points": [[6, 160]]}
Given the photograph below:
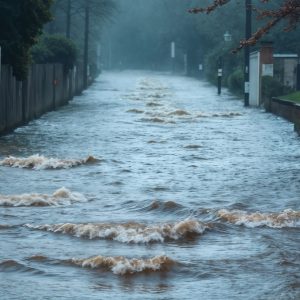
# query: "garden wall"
{"points": [[286, 109]]}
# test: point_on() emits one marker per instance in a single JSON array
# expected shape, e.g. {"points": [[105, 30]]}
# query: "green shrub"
{"points": [[55, 49], [271, 87], [236, 81], [21, 23]]}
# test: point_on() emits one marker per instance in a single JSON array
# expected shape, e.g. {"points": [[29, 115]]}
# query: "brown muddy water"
{"points": [[150, 186]]}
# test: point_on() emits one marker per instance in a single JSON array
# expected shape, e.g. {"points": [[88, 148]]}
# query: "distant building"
{"points": [[285, 69]]}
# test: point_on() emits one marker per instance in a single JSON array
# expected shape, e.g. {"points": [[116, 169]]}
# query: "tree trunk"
{"points": [[68, 27], [86, 43]]}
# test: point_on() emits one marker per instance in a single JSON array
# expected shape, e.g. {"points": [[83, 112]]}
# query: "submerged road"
{"points": [[150, 186]]}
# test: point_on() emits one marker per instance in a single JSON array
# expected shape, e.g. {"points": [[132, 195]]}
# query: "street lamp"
{"points": [[227, 38]]}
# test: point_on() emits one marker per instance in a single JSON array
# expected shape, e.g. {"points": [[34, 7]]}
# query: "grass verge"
{"points": [[295, 97]]}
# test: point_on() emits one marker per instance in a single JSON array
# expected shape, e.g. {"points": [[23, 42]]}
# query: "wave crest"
{"points": [[129, 232], [11, 265], [179, 112], [220, 114], [153, 104], [122, 266], [164, 205], [286, 218], [61, 196], [135, 110], [40, 162]]}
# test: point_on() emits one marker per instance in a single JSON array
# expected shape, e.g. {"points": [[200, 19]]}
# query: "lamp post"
{"points": [[220, 74], [248, 33], [227, 38]]}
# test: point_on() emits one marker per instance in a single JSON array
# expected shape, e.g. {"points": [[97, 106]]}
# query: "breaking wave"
{"points": [[122, 266], [129, 232], [227, 114], [286, 218], [3, 226], [136, 111], [40, 162], [179, 112], [164, 205], [62, 196], [154, 120], [157, 95], [153, 104], [157, 120], [193, 146], [11, 265], [156, 142], [224, 114]]}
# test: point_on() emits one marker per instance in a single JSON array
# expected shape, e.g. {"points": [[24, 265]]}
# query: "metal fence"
{"points": [[47, 87]]}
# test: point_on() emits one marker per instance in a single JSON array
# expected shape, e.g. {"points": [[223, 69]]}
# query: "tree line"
{"points": [[49, 31], [140, 32]]}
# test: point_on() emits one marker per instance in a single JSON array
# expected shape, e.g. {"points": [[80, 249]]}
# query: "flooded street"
{"points": [[150, 186]]}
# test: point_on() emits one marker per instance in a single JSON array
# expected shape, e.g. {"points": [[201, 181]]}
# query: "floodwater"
{"points": [[150, 186]]}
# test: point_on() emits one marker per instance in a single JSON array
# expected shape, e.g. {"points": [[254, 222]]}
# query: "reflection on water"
{"points": [[180, 194]]}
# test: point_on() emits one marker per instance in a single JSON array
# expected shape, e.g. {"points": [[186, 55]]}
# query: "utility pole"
{"points": [[248, 33], [86, 43], [68, 28]]}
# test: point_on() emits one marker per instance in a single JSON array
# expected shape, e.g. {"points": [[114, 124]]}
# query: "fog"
{"points": [[142, 31]]}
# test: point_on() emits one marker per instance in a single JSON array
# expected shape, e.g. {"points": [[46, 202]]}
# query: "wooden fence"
{"points": [[47, 87]]}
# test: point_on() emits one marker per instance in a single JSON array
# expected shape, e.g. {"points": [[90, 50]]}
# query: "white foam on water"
{"points": [[40, 162], [286, 218], [122, 266], [136, 111], [61, 196], [219, 114], [129, 232], [179, 112]]}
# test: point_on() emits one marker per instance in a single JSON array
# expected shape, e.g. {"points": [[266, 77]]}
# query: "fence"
{"points": [[47, 87]]}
